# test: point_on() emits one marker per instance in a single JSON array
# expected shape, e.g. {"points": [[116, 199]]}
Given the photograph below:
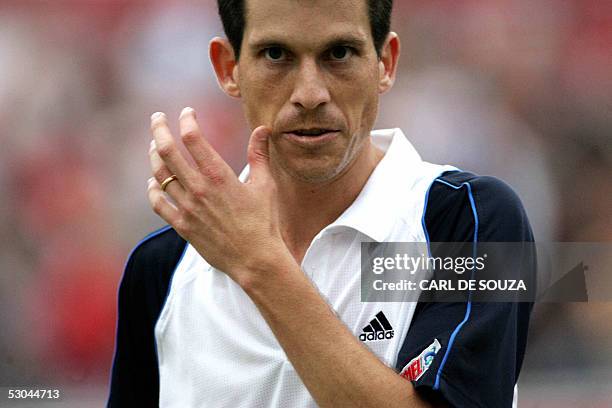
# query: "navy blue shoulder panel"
{"points": [[482, 344], [142, 293], [449, 216]]}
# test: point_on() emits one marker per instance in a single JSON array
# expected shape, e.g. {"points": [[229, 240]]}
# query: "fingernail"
{"points": [[186, 111], [157, 115]]}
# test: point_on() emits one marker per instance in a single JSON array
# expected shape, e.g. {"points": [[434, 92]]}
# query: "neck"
{"points": [[306, 208]]}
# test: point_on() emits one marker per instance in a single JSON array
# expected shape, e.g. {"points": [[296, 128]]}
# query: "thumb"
{"points": [[258, 155]]}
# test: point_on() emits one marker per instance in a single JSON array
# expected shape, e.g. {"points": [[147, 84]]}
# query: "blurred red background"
{"points": [[526, 86]]}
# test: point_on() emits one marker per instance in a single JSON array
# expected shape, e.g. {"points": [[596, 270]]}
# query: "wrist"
{"points": [[262, 272]]}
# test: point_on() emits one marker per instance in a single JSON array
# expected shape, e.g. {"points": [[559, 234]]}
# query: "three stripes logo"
{"points": [[378, 329]]}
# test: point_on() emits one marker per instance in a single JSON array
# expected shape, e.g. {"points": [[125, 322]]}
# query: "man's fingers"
{"points": [[206, 158], [169, 153], [160, 203], [258, 155], [161, 172]]}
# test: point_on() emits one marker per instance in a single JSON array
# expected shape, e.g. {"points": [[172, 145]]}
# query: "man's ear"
{"points": [[387, 64], [224, 62]]}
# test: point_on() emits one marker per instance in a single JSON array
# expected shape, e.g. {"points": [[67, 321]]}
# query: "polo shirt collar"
{"points": [[376, 209]]}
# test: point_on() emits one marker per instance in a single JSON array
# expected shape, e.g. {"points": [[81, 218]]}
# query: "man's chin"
{"points": [[308, 166], [311, 173]]}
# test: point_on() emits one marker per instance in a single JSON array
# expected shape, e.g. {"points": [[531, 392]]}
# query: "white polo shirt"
{"points": [[215, 349]]}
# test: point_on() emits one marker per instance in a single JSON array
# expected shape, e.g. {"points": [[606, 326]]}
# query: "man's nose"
{"points": [[310, 90]]}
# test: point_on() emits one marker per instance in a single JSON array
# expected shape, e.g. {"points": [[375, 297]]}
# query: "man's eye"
{"points": [[340, 53], [274, 53]]}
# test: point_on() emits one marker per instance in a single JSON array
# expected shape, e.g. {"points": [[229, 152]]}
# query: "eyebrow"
{"points": [[346, 40]]}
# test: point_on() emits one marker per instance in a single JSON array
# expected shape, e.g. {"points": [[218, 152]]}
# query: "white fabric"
{"points": [[214, 348]]}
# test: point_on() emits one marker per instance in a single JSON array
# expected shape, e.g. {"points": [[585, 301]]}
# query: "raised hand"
{"points": [[233, 225]]}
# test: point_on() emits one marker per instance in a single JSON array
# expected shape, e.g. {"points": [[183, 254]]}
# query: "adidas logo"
{"points": [[378, 329]]}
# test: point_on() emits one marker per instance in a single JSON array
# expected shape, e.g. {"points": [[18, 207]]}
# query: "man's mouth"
{"points": [[311, 137], [311, 132]]}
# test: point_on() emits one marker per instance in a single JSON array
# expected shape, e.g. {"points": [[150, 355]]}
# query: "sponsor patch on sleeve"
{"points": [[421, 363]]}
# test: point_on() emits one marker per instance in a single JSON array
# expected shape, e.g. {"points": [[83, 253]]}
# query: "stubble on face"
{"points": [[307, 90]]}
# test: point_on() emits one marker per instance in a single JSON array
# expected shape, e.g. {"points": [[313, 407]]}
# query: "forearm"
{"points": [[221, 218], [336, 368]]}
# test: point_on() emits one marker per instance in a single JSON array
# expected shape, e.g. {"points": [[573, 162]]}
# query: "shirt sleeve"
{"points": [[469, 354], [142, 293]]}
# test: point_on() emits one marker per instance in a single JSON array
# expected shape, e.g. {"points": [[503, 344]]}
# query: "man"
{"points": [[250, 298]]}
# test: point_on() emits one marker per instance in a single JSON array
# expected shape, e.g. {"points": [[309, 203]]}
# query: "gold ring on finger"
{"points": [[167, 181]]}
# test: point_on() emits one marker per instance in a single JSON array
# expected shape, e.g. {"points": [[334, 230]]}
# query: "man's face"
{"points": [[310, 66]]}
